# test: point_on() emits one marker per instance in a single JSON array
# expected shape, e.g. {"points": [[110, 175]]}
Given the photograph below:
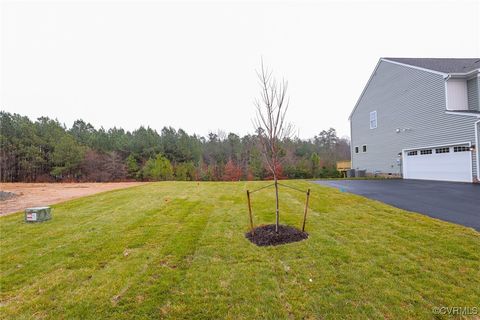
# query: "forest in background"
{"points": [[46, 151]]}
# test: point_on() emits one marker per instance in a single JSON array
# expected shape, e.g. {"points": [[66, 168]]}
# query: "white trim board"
{"points": [[459, 113], [439, 146], [365, 88]]}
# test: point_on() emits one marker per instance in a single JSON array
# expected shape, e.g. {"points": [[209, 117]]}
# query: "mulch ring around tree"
{"points": [[266, 235]]}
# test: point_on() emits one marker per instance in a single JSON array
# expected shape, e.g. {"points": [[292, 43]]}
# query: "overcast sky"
{"points": [[192, 65]]}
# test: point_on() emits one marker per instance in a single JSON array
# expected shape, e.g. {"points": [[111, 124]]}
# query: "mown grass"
{"points": [[177, 250]]}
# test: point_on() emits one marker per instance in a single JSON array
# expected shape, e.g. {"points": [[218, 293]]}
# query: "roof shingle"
{"points": [[445, 65]]}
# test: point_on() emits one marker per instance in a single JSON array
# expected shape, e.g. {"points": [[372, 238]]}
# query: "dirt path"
{"points": [[43, 194]]}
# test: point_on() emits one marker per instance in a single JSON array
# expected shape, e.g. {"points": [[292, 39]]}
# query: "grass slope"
{"points": [[177, 250]]}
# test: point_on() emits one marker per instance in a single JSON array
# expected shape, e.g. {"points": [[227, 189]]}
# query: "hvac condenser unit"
{"points": [[38, 214]]}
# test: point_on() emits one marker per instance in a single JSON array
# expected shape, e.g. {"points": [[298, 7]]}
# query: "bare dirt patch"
{"points": [[266, 235], [44, 194]]}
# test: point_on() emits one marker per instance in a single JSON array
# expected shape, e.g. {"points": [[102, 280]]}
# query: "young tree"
{"points": [[158, 168], [132, 166], [185, 171], [315, 162], [115, 167], [271, 125]]}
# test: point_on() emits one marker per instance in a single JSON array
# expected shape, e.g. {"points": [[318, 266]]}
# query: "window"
{"points": [[412, 153], [356, 149], [426, 151], [364, 148], [461, 149], [442, 150], [373, 120]]}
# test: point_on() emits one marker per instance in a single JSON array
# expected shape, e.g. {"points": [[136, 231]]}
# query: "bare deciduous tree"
{"points": [[271, 125]]}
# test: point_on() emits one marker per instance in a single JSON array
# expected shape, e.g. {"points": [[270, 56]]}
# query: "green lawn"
{"points": [[177, 250]]}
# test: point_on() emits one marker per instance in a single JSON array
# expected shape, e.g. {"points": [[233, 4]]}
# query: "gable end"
{"points": [[445, 75]]}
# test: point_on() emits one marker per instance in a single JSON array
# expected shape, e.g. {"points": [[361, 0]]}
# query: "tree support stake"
{"points": [[250, 212], [305, 211]]}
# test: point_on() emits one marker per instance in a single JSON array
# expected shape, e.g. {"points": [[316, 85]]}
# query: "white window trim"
{"points": [[374, 112], [424, 152], [441, 150], [463, 149]]}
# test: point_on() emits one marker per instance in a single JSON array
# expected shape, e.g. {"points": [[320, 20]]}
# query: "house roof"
{"points": [[444, 65]]}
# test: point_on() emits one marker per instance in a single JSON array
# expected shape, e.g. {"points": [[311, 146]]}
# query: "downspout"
{"points": [[351, 144], [478, 150]]}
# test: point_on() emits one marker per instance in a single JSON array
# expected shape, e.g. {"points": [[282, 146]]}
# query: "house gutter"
{"points": [[464, 74], [460, 113]]}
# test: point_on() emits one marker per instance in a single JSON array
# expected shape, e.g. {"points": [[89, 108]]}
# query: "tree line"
{"points": [[46, 151]]}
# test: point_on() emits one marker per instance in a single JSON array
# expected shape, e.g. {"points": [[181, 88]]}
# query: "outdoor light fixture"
{"points": [[472, 147]]}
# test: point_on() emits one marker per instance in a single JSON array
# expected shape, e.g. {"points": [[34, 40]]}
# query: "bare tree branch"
{"points": [[270, 122]]}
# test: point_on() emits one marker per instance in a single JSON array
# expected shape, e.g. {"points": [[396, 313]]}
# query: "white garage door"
{"points": [[440, 163]]}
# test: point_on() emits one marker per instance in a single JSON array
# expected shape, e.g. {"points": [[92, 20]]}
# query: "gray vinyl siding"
{"points": [[404, 98], [473, 86]]}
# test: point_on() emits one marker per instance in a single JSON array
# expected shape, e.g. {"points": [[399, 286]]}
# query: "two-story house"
{"points": [[419, 118]]}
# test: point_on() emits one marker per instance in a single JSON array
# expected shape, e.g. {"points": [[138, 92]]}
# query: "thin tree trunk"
{"points": [[277, 213]]}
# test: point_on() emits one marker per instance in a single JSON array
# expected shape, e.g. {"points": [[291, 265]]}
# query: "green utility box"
{"points": [[38, 214]]}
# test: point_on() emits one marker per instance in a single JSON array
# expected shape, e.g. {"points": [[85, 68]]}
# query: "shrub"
{"points": [[329, 172], [232, 172]]}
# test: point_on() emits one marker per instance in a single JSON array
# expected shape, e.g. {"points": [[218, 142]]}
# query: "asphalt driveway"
{"points": [[450, 201]]}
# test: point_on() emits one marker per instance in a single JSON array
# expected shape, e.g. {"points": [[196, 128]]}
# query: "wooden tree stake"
{"points": [[305, 212], [250, 212]]}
